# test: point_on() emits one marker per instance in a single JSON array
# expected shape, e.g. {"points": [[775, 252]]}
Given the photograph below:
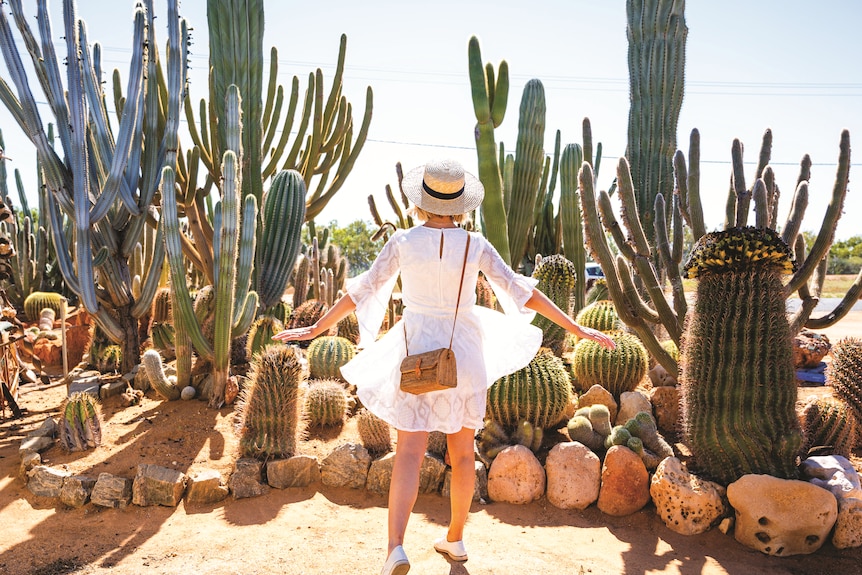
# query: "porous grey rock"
{"points": [[480, 491], [516, 476], [837, 474], [848, 525], [346, 466], [659, 377], [76, 490], [687, 504], [112, 388], [157, 485], [28, 462], [112, 491], [380, 474], [598, 394], [36, 444], [89, 381], [781, 516], [245, 481], [625, 482], [574, 475], [632, 403], [296, 471], [205, 487], [666, 408], [46, 481], [47, 429]]}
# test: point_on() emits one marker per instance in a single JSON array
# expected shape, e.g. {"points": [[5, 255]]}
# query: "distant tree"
{"points": [[845, 256], [355, 244]]}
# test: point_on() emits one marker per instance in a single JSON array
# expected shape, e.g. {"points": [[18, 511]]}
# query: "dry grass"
{"points": [[835, 286]]}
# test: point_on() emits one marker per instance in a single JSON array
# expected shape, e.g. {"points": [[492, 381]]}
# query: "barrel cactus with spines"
{"points": [[325, 403], [306, 315], [598, 292], [260, 334], [152, 364], [109, 359], [617, 370], [600, 315], [326, 355], [39, 300], [671, 348], [539, 393], [844, 374], [556, 277], [270, 404], [374, 433], [484, 293], [828, 427], [80, 426], [281, 311], [348, 328], [738, 382]]}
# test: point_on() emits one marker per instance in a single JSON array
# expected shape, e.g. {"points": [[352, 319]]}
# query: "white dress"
{"points": [[487, 344]]}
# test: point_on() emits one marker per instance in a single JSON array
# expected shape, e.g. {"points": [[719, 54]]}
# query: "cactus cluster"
{"points": [[845, 374], [270, 406], [494, 438], [326, 354], [80, 426], [828, 427], [538, 393], [591, 426], [617, 370], [325, 403], [374, 433]]}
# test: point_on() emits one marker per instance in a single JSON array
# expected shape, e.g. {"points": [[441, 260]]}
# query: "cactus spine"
{"points": [[270, 405], [80, 426], [325, 403], [738, 407], [828, 426], [326, 354], [538, 393], [617, 370], [845, 374]]}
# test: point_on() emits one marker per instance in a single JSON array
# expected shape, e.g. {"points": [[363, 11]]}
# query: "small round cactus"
{"points": [[325, 403], [373, 432]]}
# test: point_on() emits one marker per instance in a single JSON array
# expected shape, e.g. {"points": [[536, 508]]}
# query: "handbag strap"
{"points": [[457, 303]]}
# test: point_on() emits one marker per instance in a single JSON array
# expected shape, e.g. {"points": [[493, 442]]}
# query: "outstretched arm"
{"points": [[540, 303], [336, 313]]}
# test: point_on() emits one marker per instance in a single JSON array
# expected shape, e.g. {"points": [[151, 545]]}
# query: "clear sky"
{"points": [[789, 65]]}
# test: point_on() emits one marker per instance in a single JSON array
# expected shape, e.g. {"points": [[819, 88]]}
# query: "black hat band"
{"points": [[441, 195]]}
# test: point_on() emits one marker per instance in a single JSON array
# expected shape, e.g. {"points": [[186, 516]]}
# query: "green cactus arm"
{"points": [[284, 213], [609, 219], [743, 195], [671, 260], [637, 305], [152, 278], [629, 212], [830, 220], [56, 92], [247, 244], [797, 211], [570, 218], [761, 205], [478, 84], [199, 142], [246, 315], [854, 293]]}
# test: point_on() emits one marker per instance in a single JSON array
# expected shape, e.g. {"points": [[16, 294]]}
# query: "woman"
{"points": [[487, 344]]}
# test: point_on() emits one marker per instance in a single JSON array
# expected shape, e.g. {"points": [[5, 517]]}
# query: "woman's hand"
{"points": [[297, 333], [601, 338]]}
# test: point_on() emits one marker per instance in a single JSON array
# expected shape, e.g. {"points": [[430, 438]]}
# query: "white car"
{"points": [[593, 272]]}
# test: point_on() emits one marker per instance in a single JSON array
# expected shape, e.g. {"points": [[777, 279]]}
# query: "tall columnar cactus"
{"points": [[325, 403], [570, 216], [617, 370], [490, 91], [106, 183], [80, 426], [270, 406], [656, 33], [738, 383], [233, 249], [844, 374], [556, 277], [538, 393], [326, 355], [828, 426]]}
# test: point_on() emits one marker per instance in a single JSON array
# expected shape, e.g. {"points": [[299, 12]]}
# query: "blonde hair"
{"points": [[424, 216]]}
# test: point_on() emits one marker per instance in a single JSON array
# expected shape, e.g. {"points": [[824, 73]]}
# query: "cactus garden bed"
{"points": [[319, 529]]}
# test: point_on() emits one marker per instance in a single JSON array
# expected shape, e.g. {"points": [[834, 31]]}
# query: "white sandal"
{"points": [[396, 563], [454, 549]]}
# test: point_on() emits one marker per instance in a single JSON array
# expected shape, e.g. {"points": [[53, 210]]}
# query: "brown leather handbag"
{"points": [[433, 370]]}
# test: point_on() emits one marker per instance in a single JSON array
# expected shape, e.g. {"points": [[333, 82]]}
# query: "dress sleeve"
{"points": [[512, 289], [371, 290]]}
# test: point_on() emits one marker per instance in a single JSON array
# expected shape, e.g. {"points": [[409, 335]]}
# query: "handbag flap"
{"points": [[420, 361]]}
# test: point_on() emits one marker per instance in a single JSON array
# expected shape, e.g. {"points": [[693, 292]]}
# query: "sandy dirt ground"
{"points": [[318, 529]]}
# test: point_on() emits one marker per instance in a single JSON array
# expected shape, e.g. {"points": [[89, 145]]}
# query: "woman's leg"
{"points": [[404, 487], [462, 459]]}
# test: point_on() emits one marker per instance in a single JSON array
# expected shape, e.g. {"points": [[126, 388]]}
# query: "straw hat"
{"points": [[442, 187]]}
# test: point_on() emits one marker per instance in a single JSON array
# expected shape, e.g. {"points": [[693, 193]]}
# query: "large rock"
{"points": [[837, 474], [36, 444], [480, 491], [574, 475], [598, 394], [157, 485], [666, 408], [112, 491], [686, 503], [28, 462], [205, 487], [346, 466], [625, 482], [431, 474], [46, 481], [516, 476], [380, 474], [296, 471], [632, 403], [245, 481], [781, 516], [47, 429], [76, 490], [809, 349]]}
